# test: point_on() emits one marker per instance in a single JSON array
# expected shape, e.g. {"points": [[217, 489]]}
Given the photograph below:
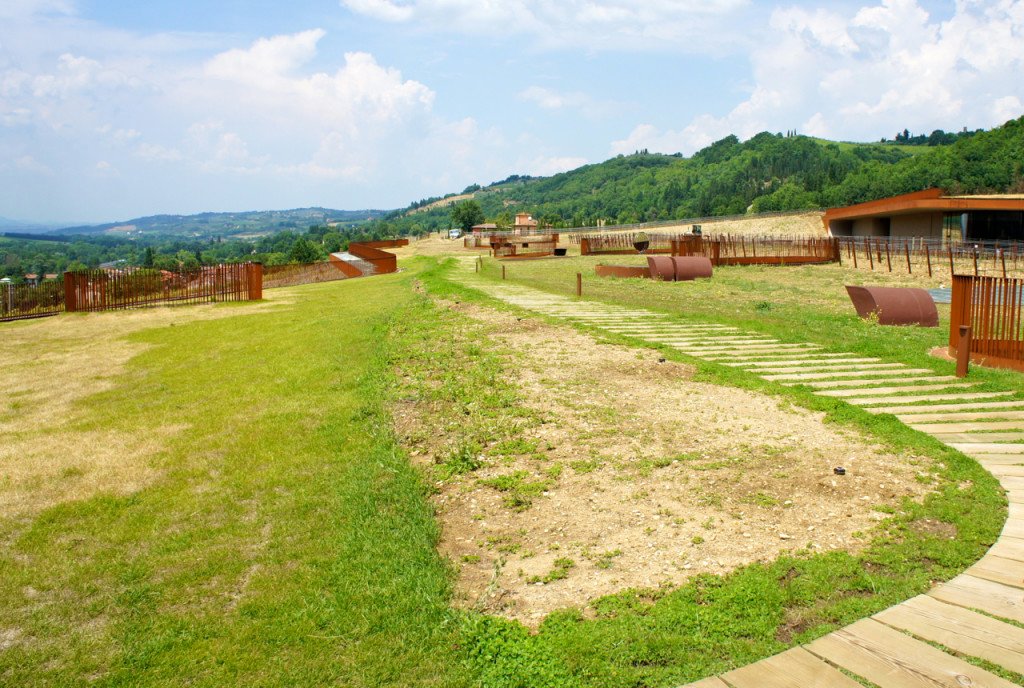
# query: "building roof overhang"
{"points": [[927, 201]]}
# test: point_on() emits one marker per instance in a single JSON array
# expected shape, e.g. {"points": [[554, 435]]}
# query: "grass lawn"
{"points": [[283, 541]]}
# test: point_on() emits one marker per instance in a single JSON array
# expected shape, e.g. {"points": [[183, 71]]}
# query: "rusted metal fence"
{"points": [[992, 308], [722, 249], [624, 244], [933, 256], [103, 290], [21, 301]]}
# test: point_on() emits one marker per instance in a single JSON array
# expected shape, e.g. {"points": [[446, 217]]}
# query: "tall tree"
{"points": [[467, 214]]}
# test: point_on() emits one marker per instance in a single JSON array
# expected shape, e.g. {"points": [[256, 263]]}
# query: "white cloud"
{"points": [[868, 72], [105, 169], [266, 58], [75, 74], [1007, 108], [355, 99], [27, 163], [598, 25], [817, 126], [546, 166], [154, 152], [552, 100], [384, 10], [24, 8]]}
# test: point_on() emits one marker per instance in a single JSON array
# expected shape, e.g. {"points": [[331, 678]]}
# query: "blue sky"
{"points": [[112, 110]]}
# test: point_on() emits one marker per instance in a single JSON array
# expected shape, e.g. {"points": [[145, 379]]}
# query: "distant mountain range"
{"points": [[9, 225], [208, 225]]}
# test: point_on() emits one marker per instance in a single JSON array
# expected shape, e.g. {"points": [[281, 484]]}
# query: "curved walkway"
{"points": [[896, 647]]}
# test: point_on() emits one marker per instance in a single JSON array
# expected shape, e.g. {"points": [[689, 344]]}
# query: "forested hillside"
{"points": [[769, 172]]}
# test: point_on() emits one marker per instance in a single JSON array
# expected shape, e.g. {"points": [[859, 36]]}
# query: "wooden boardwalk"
{"points": [[896, 648]]}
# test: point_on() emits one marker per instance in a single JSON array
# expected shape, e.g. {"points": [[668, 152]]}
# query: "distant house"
{"points": [[486, 228], [524, 224], [931, 213]]}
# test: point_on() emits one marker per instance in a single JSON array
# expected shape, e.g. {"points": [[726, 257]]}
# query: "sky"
{"points": [[114, 110]]}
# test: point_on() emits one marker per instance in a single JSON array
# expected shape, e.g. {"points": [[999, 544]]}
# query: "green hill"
{"points": [[769, 172], [210, 225]]}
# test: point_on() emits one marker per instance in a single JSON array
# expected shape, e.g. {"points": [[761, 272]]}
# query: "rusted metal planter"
{"points": [[895, 305], [622, 271]]}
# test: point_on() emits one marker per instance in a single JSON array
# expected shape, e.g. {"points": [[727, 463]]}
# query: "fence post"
{"points": [[952, 271], [928, 257], [579, 284], [502, 272], [254, 276], [888, 256], [963, 351], [906, 247], [70, 302]]}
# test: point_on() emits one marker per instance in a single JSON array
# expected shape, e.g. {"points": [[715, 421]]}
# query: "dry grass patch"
{"points": [[50, 368], [636, 476], [798, 224]]}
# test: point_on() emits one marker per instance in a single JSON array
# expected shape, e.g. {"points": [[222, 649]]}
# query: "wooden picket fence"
{"points": [[992, 308]]}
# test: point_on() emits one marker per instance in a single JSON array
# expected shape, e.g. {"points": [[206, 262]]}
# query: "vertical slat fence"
{"points": [[991, 307]]}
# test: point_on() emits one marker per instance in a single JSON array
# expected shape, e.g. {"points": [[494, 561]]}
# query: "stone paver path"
{"points": [[891, 648]]}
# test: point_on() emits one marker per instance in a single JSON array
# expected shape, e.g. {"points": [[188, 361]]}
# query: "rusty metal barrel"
{"points": [[661, 268], [895, 305]]}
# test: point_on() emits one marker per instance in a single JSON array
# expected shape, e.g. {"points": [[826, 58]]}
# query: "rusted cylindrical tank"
{"points": [[692, 267], [895, 305]]}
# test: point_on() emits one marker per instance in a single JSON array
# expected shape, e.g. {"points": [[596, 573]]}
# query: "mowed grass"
{"points": [[284, 540]]}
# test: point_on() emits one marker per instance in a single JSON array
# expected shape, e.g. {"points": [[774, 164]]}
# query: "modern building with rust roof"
{"points": [[932, 214]]}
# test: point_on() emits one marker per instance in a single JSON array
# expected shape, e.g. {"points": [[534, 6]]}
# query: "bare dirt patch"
{"points": [[639, 477], [48, 367]]}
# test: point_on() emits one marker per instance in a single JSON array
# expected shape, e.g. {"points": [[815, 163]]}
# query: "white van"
{"points": [[454, 233]]}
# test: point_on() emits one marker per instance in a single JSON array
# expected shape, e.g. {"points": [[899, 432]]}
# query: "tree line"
{"points": [[769, 172], [19, 257]]}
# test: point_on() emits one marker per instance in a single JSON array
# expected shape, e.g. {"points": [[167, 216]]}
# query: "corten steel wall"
{"points": [[99, 290], [21, 301], [992, 307], [370, 251], [307, 273], [622, 271]]}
